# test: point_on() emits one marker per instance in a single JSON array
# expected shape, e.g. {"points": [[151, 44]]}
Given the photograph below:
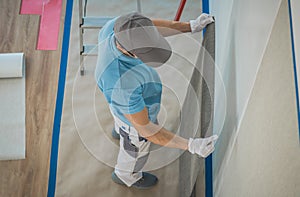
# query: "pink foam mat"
{"points": [[50, 11], [31, 7]]}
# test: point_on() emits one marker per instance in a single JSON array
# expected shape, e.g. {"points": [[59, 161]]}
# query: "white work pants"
{"points": [[133, 154]]}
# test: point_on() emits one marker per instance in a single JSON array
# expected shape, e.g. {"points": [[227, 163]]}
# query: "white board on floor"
{"points": [[12, 106]]}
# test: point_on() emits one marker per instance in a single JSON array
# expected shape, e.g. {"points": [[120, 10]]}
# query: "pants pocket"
{"points": [[130, 148]]}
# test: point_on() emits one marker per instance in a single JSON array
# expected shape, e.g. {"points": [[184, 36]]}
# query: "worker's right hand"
{"points": [[202, 146], [200, 23]]}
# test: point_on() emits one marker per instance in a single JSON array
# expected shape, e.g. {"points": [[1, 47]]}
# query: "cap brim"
{"points": [[155, 56]]}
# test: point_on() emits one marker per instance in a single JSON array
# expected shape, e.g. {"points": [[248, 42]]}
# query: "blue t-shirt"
{"points": [[127, 83]]}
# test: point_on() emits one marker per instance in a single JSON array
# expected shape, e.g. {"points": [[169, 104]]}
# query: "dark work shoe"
{"points": [[146, 182], [116, 179], [115, 134]]}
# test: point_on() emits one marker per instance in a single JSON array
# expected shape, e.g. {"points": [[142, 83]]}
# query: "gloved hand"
{"points": [[200, 23], [202, 146]]}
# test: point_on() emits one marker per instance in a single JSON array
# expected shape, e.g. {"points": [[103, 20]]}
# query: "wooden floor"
{"points": [[18, 33]]}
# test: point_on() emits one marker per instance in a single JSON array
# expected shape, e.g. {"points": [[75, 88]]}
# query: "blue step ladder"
{"points": [[91, 22]]}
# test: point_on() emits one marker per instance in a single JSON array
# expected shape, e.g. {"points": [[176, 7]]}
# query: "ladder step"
{"points": [[90, 50], [92, 22]]}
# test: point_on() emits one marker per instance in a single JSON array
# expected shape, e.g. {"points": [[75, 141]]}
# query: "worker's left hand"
{"points": [[202, 146], [200, 23]]}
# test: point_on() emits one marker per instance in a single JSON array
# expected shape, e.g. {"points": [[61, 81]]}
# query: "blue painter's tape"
{"points": [[205, 8], [59, 99], [294, 62], [208, 177]]}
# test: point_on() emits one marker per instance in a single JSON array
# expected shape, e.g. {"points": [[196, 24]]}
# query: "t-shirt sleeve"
{"points": [[106, 30], [127, 100]]}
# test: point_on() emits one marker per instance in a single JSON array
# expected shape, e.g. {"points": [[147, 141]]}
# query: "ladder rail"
{"points": [[81, 31], [138, 6], [179, 10]]}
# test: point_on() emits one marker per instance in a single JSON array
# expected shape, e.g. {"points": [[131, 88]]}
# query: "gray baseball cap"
{"points": [[138, 35]]}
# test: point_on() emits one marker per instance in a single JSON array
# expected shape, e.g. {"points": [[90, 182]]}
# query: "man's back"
{"points": [[128, 84]]}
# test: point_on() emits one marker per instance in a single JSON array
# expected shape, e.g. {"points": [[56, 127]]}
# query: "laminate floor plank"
{"points": [[18, 33]]}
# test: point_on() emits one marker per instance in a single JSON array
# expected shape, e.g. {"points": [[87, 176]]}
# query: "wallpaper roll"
{"points": [[11, 65], [192, 167], [12, 106]]}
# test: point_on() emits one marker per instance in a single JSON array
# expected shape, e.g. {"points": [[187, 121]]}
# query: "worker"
{"points": [[130, 46]]}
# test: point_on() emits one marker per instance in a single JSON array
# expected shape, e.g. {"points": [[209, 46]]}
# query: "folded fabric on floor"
{"points": [[12, 106]]}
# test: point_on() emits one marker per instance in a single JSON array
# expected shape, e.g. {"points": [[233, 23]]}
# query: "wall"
{"points": [[255, 114], [295, 7]]}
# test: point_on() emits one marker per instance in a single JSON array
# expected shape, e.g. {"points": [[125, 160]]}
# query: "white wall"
{"points": [[295, 5], [243, 29]]}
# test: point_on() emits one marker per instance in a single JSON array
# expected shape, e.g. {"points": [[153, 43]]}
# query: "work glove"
{"points": [[202, 146], [200, 23]]}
